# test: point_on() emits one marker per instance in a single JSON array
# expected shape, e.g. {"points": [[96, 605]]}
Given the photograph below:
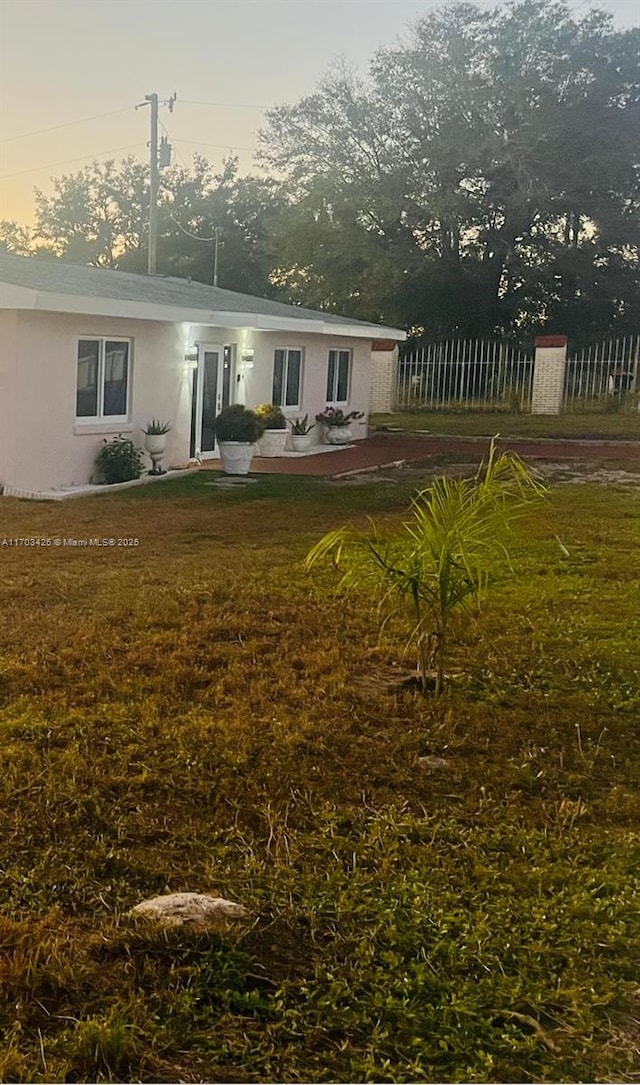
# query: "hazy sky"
{"points": [[65, 60]]}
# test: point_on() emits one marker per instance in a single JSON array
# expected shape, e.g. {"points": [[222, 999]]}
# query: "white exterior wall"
{"points": [[8, 356], [256, 383], [49, 449], [43, 447]]}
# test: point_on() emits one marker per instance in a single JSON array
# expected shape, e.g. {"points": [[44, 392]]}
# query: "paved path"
{"points": [[384, 449]]}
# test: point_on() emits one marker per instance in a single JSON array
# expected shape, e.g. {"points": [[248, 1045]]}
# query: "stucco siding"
{"points": [[50, 448], [8, 356]]}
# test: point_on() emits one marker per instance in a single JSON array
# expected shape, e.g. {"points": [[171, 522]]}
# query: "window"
{"points": [[103, 378], [287, 378], [338, 376]]}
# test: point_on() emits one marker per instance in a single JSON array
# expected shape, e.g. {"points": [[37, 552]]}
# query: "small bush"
{"points": [[237, 423], [271, 416], [119, 460]]}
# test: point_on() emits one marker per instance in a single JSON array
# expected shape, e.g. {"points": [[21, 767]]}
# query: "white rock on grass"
{"points": [[188, 909]]}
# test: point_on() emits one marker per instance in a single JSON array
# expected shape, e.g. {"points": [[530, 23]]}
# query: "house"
{"points": [[87, 353]]}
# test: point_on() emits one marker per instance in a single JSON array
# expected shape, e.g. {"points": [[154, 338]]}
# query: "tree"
{"points": [[485, 176], [441, 560], [99, 216]]}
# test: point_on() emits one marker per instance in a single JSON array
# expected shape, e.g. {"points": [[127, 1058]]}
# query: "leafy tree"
{"points": [[484, 177]]}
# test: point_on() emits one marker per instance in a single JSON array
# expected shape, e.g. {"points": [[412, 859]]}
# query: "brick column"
{"points": [[548, 374], [384, 375]]}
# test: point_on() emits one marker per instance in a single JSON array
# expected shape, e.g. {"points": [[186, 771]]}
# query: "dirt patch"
{"points": [[558, 473]]}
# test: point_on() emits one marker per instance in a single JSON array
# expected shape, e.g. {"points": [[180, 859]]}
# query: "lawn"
{"points": [[616, 425], [439, 890]]}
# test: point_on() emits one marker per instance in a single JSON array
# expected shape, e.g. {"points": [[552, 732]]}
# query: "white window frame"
{"points": [[285, 372], [332, 402], [100, 416]]}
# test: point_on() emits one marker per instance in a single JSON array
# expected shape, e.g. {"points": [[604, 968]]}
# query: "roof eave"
{"points": [[14, 297]]}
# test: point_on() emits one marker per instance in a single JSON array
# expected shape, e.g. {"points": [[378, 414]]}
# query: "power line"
{"points": [[67, 161], [67, 124], [220, 146], [225, 105]]}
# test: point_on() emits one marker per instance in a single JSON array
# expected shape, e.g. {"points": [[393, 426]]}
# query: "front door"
{"points": [[211, 391]]}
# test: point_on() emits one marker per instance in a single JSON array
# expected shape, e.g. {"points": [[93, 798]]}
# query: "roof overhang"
{"points": [[22, 297]]}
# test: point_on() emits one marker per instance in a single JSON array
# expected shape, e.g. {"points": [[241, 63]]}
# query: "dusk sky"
{"points": [[65, 60]]}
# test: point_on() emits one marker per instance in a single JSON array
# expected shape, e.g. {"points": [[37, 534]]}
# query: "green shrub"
{"points": [[271, 416], [237, 423], [119, 460]]}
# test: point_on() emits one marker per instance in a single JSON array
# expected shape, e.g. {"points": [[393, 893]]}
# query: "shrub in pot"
{"points": [[119, 460], [301, 433], [236, 430], [155, 442], [274, 436], [338, 424]]}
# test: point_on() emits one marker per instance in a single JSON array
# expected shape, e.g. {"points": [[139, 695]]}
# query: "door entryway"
{"points": [[211, 391]]}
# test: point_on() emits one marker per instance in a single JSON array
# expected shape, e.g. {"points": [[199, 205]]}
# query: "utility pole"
{"points": [[216, 233], [154, 175], [153, 185]]}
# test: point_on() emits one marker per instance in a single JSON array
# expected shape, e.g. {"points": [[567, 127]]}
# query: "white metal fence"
{"points": [[465, 374], [602, 376], [492, 375]]}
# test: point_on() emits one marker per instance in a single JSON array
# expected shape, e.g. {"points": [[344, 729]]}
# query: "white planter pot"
{"points": [[272, 442], [155, 442], [338, 435], [236, 457], [301, 442]]}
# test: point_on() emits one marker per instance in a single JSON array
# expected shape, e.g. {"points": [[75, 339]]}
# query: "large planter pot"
{"points": [[272, 442], [338, 435], [236, 457], [301, 442], [155, 444]]}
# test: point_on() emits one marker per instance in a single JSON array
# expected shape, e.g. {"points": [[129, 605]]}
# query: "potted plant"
{"points": [[119, 460], [301, 433], [155, 442], [274, 436], [338, 424], [236, 430]]}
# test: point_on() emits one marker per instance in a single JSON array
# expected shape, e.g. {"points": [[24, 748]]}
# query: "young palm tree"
{"points": [[443, 556]]}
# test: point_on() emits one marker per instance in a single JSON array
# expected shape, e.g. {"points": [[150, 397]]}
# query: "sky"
{"points": [[68, 61]]}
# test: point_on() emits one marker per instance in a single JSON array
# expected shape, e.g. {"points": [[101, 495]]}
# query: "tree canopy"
{"points": [[482, 178]]}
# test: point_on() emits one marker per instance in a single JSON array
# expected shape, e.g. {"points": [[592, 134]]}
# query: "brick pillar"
{"points": [[548, 374], [384, 374]]}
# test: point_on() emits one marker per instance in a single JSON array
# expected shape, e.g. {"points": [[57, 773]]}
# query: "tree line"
{"points": [[482, 179]]}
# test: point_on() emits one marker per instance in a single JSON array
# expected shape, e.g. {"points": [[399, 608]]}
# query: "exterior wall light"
{"points": [[191, 357]]}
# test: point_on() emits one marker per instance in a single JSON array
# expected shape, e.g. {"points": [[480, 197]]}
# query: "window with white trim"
{"points": [[287, 377], [338, 376], [102, 385]]}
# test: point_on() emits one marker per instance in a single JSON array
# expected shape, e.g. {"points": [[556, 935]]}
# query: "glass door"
{"points": [[207, 395]]}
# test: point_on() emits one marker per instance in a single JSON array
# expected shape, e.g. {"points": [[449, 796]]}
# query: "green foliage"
{"points": [[237, 423], [483, 177], [119, 460], [442, 559], [156, 427], [300, 426], [271, 416]]}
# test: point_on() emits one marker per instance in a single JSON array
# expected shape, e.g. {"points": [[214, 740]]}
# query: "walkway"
{"points": [[384, 449]]}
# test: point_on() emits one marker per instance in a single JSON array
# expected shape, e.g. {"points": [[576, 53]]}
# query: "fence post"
{"points": [[384, 376], [547, 395]]}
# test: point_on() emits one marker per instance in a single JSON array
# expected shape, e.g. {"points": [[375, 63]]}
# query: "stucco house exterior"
{"points": [[87, 353]]}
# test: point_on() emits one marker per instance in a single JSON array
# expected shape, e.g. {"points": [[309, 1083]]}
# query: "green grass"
{"points": [[196, 713], [622, 425]]}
